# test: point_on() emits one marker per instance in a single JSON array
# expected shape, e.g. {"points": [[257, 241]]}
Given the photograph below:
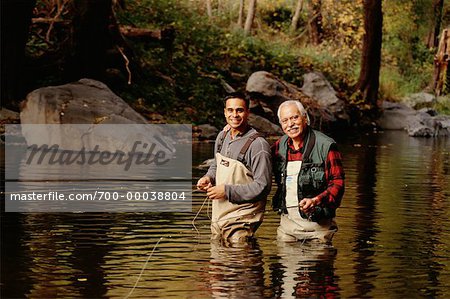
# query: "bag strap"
{"points": [[309, 145]]}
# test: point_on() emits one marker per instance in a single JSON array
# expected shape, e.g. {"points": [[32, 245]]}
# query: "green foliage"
{"points": [[443, 105], [278, 19], [187, 85], [184, 81]]}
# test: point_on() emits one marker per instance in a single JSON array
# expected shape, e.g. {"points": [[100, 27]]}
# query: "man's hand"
{"points": [[307, 204], [204, 183], [216, 192]]}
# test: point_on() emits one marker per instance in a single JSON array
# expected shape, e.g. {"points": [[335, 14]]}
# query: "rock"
{"points": [[266, 85], [206, 164], [419, 100], [425, 125], [78, 107], [394, 116], [84, 102], [316, 86], [271, 92], [8, 116], [422, 123], [263, 125], [206, 131]]}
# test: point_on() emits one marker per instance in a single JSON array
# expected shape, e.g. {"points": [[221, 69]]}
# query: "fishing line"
{"points": [[143, 268], [193, 220]]}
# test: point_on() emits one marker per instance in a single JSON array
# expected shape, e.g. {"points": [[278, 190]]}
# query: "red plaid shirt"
{"points": [[334, 172]]}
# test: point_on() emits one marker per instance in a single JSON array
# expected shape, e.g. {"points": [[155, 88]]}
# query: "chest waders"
{"points": [[235, 222], [292, 226]]}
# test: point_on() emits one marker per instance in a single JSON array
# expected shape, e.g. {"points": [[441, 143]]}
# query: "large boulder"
{"points": [[316, 86], [264, 125], [83, 102], [78, 109], [268, 92], [205, 131], [271, 92]]}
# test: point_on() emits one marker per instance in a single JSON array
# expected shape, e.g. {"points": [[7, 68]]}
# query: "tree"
{"points": [[91, 39], [250, 16], [315, 22], [241, 13], [369, 76], [209, 8], [432, 40], [15, 21], [296, 17]]}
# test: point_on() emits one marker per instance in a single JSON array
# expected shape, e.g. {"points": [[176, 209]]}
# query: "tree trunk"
{"points": [[441, 73], [91, 39], [241, 13], [15, 22], [209, 8], [250, 16], [315, 22], [368, 82], [432, 41], [296, 16]]}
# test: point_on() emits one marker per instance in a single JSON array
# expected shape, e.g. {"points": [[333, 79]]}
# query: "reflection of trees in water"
{"points": [[58, 256], [236, 271], [365, 219], [304, 271], [422, 242]]}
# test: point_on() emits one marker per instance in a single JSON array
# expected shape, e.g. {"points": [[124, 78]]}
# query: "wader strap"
{"points": [[244, 149], [220, 142]]}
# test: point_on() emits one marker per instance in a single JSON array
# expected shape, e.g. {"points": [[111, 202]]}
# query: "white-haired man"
{"points": [[310, 177]]}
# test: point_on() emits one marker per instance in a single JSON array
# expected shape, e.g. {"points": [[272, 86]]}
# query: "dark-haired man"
{"points": [[239, 180], [310, 178]]}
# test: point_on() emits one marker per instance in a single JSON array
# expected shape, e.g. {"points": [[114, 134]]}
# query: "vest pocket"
{"points": [[312, 179]]}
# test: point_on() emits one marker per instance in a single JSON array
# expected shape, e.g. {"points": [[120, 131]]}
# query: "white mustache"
{"points": [[294, 128]]}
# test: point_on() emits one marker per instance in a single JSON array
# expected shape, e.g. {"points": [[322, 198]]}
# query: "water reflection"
{"points": [[365, 218], [304, 270], [393, 240], [236, 270]]}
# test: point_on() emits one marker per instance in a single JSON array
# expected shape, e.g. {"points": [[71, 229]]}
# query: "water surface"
{"points": [[393, 240]]}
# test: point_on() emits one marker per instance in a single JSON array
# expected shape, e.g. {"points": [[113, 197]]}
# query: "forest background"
{"points": [[171, 59]]}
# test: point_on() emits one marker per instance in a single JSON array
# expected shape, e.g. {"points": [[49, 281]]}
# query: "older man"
{"points": [[239, 180], [310, 178]]}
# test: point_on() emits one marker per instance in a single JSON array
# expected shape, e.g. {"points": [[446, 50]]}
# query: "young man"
{"points": [[239, 180], [310, 178]]}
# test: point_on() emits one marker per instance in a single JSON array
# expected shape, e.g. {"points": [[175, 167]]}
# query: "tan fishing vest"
{"points": [[234, 221]]}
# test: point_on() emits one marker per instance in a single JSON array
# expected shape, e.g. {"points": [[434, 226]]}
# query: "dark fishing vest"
{"points": [[311, 178]]}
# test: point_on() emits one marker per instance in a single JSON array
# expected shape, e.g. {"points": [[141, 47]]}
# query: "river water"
{"points": [[393, 240]]}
